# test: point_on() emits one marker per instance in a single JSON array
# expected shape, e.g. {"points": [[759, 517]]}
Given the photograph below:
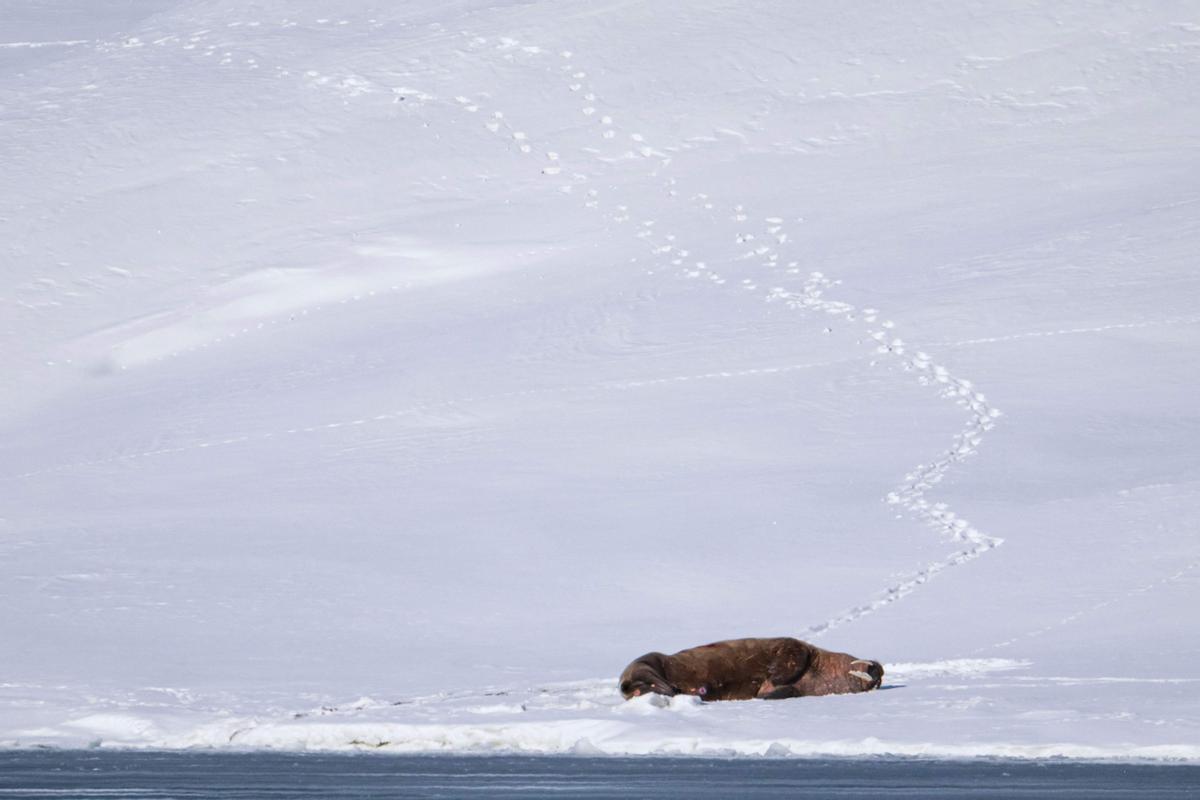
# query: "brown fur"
{"points": [[743, 669]]}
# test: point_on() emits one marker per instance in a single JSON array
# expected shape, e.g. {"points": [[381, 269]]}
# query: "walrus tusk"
{"points": [[862, 675], [861, 661]]}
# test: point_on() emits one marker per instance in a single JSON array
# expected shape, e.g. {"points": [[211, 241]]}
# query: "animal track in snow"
{"points": [[911, 494], [231, 53], [661, 246], [664, 247], [761, 248]]}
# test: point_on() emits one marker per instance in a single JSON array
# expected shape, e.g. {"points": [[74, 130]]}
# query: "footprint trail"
{"points": [[912, 494]]}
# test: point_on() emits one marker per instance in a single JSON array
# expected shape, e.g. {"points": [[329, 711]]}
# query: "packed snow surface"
{"points": [[390, 375]]}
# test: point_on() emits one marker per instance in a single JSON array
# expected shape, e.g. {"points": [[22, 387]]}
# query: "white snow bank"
{"points": [[63, 43], [590, 718], [591, 736]]}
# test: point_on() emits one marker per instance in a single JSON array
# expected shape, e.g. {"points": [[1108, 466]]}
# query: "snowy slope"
{"points": [[450, 355]]}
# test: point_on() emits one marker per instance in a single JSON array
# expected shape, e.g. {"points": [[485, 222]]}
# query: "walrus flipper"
{"points": [[781, 693], [647, 685]]}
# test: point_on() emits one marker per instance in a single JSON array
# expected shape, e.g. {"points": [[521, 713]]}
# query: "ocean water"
{"points": [[98, 774]]}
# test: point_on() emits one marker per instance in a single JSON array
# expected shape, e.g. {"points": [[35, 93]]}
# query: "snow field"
{"points": [[408, 353]]}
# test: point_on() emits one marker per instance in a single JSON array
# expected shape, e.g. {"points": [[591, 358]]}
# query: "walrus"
{"points": [[745, 669]]}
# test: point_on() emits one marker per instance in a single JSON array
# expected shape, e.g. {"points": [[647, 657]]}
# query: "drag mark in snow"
{"points": [[911, 494], [637, 384], [429, 408], [1073, 331], [1066, 680], [1157, 583]]}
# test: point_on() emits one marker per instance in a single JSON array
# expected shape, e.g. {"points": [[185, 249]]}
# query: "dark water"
{"points": [[99, 774]]}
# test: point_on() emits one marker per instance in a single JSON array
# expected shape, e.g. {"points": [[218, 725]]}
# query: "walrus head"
{"points": [[869, 673], [646, 675], [840, 673]]}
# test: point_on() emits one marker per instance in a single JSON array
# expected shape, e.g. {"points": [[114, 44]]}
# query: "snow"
{"points": [[450, 356], [969, 696]]}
